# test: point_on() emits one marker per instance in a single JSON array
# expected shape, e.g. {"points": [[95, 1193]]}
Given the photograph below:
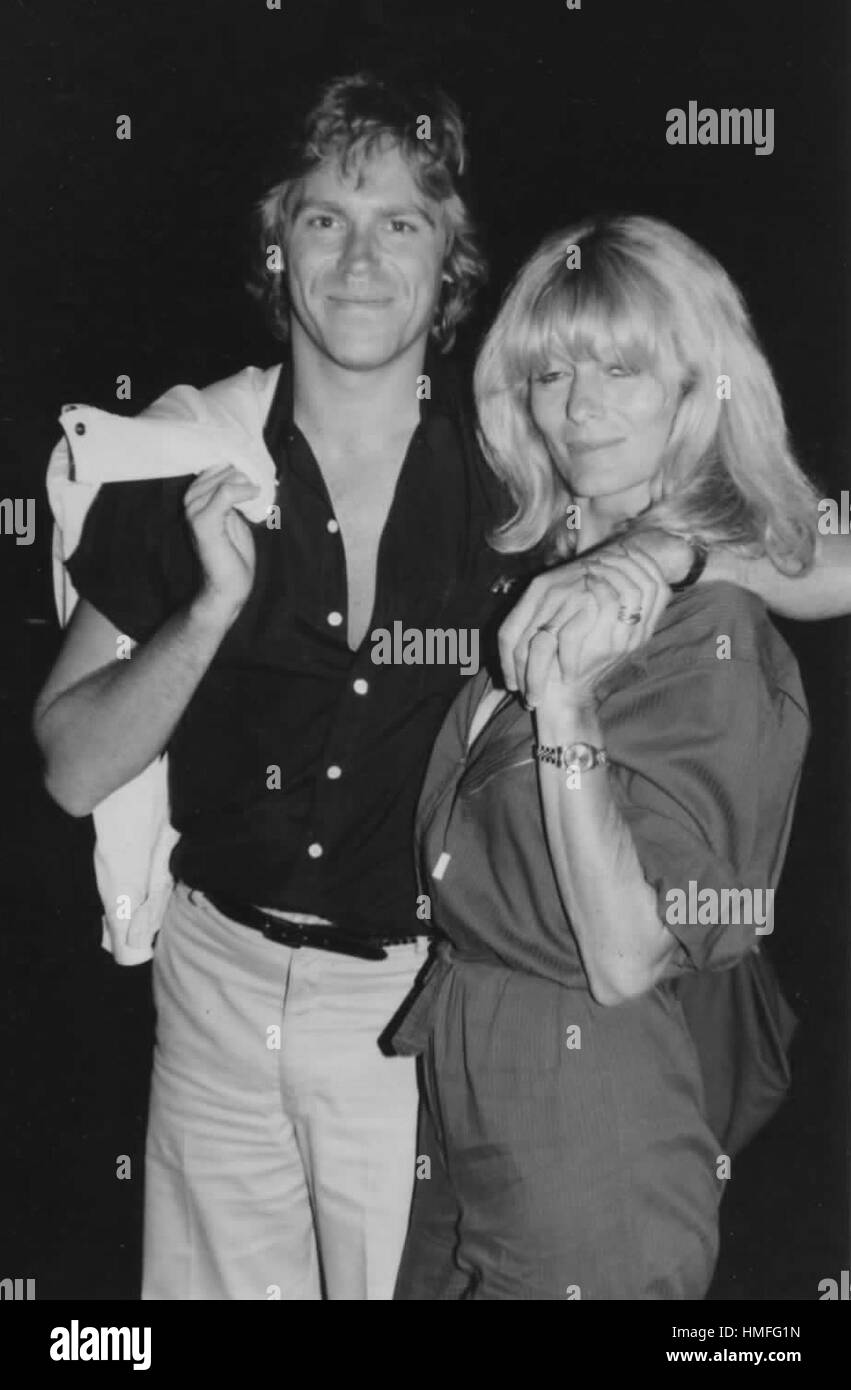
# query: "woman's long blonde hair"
{"points": [[640, 288]]}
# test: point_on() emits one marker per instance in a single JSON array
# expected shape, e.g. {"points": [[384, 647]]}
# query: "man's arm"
{"points": [[555, 597], [824, 592], [99, 721]]}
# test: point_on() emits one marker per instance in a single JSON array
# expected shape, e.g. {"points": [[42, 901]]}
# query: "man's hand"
{"points": [[556, 599], [222, 538]]}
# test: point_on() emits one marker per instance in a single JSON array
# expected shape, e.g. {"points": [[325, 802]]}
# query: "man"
{"points": [[281, 1148], [282, 1163]]}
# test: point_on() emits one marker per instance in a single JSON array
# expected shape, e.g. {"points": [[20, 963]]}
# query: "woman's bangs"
{"points": [[579, 316]]}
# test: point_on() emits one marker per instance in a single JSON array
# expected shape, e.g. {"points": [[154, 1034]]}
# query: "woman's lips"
{"points": [[581, 446]]}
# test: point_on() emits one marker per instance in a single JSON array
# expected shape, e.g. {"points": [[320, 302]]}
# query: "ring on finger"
{"points": [[629, 616]]}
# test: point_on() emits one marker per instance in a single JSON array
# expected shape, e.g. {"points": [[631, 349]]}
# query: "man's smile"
{"points": [[358, 302]]}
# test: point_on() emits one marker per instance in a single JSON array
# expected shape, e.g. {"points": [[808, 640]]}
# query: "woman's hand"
{"points": [[555, 598], [623, 598]]}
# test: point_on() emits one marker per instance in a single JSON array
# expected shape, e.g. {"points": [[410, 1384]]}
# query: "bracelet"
{"points": [[700, 555], [576, 757]]}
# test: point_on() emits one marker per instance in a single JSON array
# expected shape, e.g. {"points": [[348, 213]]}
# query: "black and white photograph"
{"points": [[425, 535]]}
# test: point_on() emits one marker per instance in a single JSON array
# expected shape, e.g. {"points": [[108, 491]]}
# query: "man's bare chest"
{"points": [[362, 505]]}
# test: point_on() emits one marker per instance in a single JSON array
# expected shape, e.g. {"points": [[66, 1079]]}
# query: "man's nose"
{"points": [[358, 251]]}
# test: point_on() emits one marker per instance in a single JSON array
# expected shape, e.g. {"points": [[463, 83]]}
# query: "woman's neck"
{"points": [[593, 531], [601, 517]]}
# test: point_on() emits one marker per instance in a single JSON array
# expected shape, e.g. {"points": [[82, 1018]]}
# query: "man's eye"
{"points": [[322, 220], [400, 224]]}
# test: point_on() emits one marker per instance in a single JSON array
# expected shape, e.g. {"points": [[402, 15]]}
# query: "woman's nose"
{"points": [[583, 401]]}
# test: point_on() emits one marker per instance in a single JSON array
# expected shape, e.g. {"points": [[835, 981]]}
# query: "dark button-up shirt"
{"points": [[295, 768]]}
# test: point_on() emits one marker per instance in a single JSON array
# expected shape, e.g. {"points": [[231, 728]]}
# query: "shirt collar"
{"points": [[443, 395], [446, 395]]}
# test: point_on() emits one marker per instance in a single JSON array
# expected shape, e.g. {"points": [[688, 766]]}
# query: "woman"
{"points": [[563, 1114]]}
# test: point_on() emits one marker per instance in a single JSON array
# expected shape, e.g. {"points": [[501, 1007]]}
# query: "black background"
{"points": [[130, 257]]}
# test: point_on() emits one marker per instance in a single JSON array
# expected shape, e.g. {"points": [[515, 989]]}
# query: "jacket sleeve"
{"points": [[706, 760]]}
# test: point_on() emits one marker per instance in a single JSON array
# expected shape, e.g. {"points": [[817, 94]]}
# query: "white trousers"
{"points": [[281, 1141]]}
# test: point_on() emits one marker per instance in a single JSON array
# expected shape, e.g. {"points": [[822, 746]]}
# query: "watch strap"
{"points": [[700, 555]]}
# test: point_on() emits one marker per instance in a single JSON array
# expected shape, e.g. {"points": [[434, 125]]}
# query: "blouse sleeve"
{"points": [[135, 562], [707, 746]]}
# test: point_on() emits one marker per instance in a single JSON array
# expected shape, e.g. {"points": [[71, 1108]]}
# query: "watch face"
{"points": [[581, 756], [585, 757]]}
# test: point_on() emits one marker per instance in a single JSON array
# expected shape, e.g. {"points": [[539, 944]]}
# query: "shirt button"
{"points": [[334, 772], [335, 619], [360, 686], [315, 851], [332, 526]]}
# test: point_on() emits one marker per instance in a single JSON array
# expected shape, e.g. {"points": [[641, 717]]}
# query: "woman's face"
{"points": [[606, 427]]}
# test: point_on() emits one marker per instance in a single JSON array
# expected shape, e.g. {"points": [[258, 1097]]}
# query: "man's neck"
{"points": [[348, 409]]}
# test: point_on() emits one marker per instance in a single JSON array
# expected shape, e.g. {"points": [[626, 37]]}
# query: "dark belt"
{"points": [[319, 936]]}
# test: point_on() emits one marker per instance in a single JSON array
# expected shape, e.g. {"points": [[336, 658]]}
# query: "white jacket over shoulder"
{"points": [[184, 431]]}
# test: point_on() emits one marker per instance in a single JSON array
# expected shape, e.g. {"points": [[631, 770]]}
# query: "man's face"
{"points": [[364, 260]]}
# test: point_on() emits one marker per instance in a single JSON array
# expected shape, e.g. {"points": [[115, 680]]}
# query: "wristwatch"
{"points": [[574, 757]]}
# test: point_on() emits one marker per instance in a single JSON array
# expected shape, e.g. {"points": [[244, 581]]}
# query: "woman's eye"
{"points": [[547, 378], [399, 224], [617, 369]]}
